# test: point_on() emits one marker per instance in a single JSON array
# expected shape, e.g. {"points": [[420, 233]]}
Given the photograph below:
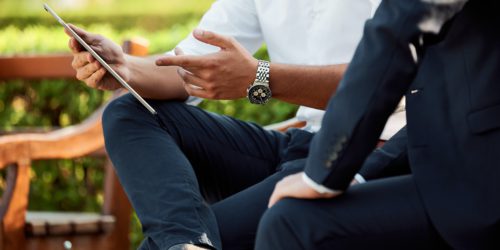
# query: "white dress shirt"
{"points": [[304, 32]]}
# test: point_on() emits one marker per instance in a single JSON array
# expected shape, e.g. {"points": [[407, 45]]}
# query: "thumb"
{"points": [[223, 42]]}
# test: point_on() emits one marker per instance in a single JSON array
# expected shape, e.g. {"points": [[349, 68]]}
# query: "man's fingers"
{"points": [[80, 60], [86, 36], [94, 79], [212, 38], [182, 61], [90, 58], [66, 30], [193, 90], [275, 197], [87, 70], [81, 32], [277, 193], [74, 46], [283, 189], [189, 78], [193, 85]]}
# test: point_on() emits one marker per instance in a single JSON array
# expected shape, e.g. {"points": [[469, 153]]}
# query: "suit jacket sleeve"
{"points": [[380, 73]]}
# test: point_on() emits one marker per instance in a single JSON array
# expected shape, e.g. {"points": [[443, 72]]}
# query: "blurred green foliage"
{"points": [[122, 14], [77, 185]]}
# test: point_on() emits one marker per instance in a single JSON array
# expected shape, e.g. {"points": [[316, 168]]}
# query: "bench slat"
{"points": [[67, 223], [37, 67]]}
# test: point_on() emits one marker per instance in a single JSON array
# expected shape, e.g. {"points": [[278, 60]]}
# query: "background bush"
{"points": [[76, 185]]}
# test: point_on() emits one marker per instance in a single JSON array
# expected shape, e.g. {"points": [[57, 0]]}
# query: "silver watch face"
{"points": [[259, 94]]}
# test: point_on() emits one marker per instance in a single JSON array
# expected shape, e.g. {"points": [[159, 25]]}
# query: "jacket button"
{"points": [[343, 139], [328, 164], [333, 156]]}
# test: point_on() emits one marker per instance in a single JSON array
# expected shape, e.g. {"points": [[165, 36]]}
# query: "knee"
{"points": [[126, 110], [271, 218], [278, 217], [118, 110], [278, 226], [125, 117]]}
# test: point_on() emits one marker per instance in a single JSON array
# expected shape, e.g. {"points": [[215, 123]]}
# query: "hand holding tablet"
{"points": [[72, 31], [88, 69]]}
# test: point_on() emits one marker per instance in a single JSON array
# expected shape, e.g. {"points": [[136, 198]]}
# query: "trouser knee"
{"points": [[277, 227], [120, 111], [126, 113]]}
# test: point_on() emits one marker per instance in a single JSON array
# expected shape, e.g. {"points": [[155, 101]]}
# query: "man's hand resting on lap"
{"points": [[293, 186]]}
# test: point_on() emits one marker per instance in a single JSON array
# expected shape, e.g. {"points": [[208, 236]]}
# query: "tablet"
{"points": [[101, 61]]}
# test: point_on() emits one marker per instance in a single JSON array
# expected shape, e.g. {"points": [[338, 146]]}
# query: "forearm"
{"points": [[310, 86], [152, 81]]}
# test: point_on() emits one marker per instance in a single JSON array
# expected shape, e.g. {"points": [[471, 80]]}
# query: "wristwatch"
{"points": [[259, 92]]}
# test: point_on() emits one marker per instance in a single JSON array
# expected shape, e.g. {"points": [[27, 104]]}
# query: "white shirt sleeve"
{"points": [[319, 188], [235, 18], [359, 178]]}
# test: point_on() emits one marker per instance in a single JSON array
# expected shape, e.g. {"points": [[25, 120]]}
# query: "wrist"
{"points": [[130, 69], [249, 75], [253, 66]]}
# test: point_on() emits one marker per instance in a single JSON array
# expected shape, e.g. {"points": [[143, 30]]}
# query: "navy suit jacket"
{"points": [[453, 113]]}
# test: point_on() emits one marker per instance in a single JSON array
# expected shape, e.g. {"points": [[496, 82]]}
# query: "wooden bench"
{"points": [[20, 229]]}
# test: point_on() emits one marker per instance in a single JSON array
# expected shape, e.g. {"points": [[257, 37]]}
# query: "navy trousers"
{"points": [[385, 213], [202, 178]]}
